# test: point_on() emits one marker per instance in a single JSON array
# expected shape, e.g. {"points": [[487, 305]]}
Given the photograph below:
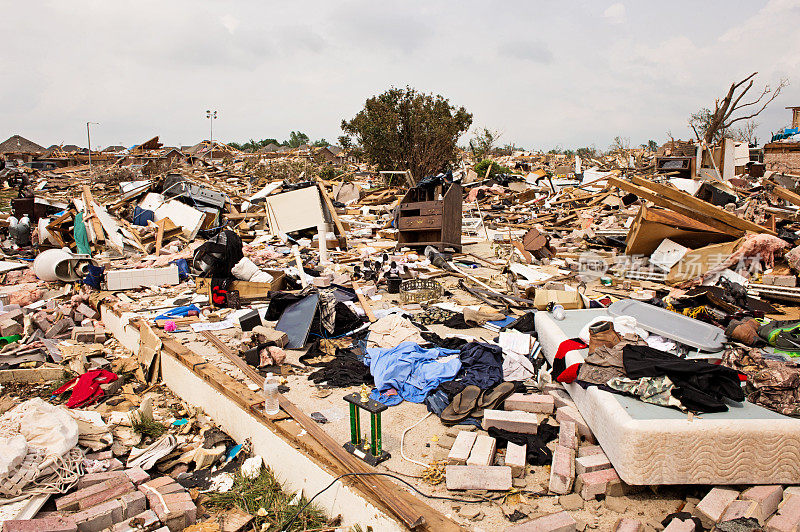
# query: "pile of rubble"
{"points": [[483, 308]]}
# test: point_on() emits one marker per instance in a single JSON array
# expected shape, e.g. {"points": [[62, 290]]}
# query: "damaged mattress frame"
{"points": [[300, 453]]}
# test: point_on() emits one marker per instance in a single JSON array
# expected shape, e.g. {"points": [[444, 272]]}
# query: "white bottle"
{"points": [[271, 395]]}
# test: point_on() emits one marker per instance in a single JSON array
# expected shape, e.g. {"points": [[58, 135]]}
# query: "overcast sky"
{"points": [[544, 73]]}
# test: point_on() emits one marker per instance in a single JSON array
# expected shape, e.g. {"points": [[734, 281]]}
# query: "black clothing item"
{"points": [[218, 255], [343, 371], [700, 386], [523, 324], [457, 322], [447, 343], [481, 365], [537, 451]]}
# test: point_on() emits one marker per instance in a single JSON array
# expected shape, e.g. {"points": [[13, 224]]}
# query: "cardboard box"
{"points": [[568, 300], [247, 290]]}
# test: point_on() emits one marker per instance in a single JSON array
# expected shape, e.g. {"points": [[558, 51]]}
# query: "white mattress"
{"points": [[649, 444]]}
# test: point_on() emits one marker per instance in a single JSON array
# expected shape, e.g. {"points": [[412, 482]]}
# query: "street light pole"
{"points": [[89, 140], [211, 115]]}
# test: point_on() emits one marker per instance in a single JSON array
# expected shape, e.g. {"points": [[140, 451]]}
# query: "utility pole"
{"points": [[211, 115], [89, 140]]}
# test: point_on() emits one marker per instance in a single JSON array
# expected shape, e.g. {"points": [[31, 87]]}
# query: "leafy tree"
{"points": [[652, 145], [587, 152], [482, 142], [497, 169], [296, 138], [345, 141], [402, 129], [321, 143]]}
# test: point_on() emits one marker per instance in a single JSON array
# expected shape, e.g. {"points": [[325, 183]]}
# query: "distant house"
{"points": [[114, 149], [19, 144], [269, 148]]}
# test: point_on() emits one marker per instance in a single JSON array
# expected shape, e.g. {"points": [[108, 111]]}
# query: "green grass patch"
{"points": [[266, 492], [147, 426]]}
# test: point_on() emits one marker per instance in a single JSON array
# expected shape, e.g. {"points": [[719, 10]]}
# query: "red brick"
{"points": [[147, 520], [562, 470], [568, 435], [536, 403], [516, 458], [94, 494], [738, 509], [713, 505], [590, 485], [570, 413], [512, 421], [462, 447], [588, 450], [788, 517], [767, 497], [678, 525], [99, 517], [594, 462], [89, 479], [478, 477], [137, 475], [53, 523], [557, 522], [627, 524]]}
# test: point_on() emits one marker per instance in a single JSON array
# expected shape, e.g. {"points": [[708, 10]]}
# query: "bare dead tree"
{"points": [[722, 117]]}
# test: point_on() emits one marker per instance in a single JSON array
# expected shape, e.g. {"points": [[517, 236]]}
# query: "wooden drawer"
{"points": [[420, 223], [421, 208]]}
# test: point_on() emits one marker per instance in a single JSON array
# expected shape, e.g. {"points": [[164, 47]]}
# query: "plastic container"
{"points": [[271, 395]]}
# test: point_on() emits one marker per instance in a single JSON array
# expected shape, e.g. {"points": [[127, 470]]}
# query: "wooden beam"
{"points": [[336, 222], [160, 235], [364, 303], [701, 206], [97, 227], [680, 209], [406, 507], [786, 194]]}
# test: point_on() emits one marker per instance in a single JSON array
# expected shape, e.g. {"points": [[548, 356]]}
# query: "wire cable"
{"points": [[403, 437], [285, 527]]}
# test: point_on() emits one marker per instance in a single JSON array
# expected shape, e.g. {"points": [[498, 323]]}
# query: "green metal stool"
{"points": [[371, 452]]}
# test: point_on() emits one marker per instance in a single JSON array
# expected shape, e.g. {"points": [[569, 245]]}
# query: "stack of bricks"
{"points": [[71, 320], [116, 500], [172, 504], [471, 460], [775, 510]]}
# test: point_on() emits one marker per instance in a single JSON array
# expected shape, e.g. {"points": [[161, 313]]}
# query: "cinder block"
{"points": [[788, 517], [767, 497], [626, 524], [557, 522], [588, 450], [94, 494], [713, 505], [478, 477], [461, 448], [562, 470], [139, 277], [678, 525], [52, 523], [483, 450], [514, 421], [536, 403], [590, 485], [516, 458], [569, 413], [594, 462], [568, 435]]}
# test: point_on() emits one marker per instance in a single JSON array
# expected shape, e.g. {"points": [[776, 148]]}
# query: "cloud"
{"points": [[615, 13], [534, 51], [230, 22]]}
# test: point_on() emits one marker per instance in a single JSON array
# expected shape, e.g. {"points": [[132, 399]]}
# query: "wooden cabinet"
{"points": [[426, 220]]}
